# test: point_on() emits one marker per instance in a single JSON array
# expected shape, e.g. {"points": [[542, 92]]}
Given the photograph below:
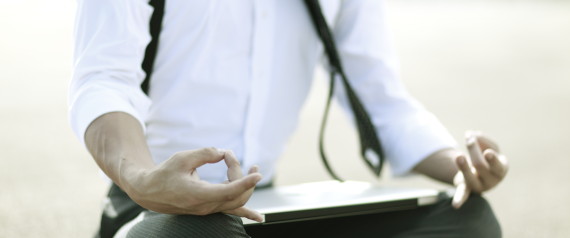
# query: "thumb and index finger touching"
{"points": [[235, 173], [192, 159], [234, 167], [229, 196], [486, 158], [466, 179], [481, 169]]}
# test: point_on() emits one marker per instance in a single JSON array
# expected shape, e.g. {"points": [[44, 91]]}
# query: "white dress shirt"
{"points": [[234, 75]]}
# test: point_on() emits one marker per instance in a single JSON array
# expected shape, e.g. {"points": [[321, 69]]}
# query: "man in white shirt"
{"points": [[228, 82]]}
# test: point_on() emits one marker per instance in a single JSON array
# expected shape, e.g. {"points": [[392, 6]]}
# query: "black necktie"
{"points": [[370, 147]]}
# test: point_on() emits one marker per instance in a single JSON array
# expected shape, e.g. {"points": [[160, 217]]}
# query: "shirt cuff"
{"points": [[97, 101], [416, 144]]}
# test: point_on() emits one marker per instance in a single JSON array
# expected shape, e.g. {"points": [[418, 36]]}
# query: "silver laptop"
{"points": [[328, 199]]}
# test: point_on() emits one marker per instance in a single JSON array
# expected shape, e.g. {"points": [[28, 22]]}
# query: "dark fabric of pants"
{"points": [[164, 225], [124, 208], [474, 219], [174, 226]]}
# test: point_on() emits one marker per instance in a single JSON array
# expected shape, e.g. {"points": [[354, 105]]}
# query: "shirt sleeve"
{"points": [[408, 132], [110, 39]]}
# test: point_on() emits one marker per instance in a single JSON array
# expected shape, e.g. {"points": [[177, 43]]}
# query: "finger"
{"points": [[192, 159], [496, 166], [461, 195], [244, 196], [228, 192], [475, 153], [253, 169], [484, 141], [234, 168], [194, 175], [470, 178], [484, 174], [247, 213], [222, 206]]}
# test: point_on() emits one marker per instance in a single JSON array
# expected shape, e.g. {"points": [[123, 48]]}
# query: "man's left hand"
{"points": [[482, 170]]}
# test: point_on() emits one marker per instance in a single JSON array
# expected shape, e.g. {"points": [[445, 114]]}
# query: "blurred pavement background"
{"points": [[502, 67]]}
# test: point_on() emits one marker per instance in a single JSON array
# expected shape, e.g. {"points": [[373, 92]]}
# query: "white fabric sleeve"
{"points": [[110, 40], [408, 132]]}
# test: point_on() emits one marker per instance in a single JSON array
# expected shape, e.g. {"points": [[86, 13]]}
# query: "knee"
{"points": [[171, 226], [478, 218]]}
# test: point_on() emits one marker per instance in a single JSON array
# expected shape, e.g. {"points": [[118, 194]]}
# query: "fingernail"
{"points": [[489, 156], [253, 169], [471, 140], [258, 178], [455, 205], [461, 160]]}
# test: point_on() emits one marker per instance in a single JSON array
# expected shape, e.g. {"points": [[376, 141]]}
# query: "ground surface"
{"points": [[499, 66]]}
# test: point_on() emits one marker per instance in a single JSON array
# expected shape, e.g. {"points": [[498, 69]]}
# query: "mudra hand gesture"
{"points": [[479, 171]]}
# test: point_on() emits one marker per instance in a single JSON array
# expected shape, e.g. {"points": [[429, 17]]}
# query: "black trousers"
{"points": [[475, 219]]}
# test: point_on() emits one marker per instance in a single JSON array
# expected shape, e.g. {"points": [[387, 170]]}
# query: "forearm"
{"points": [[439, 165], [117, 143]]}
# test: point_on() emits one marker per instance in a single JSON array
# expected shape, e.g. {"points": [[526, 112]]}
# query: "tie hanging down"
{"points": [[370, 147]]}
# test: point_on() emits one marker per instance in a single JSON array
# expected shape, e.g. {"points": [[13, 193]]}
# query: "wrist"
{"points": [[440, 165], [132, 176]]}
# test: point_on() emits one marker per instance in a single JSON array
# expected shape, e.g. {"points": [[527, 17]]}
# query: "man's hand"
{"points": [[118, 145], [234, 174], [174, 186], [484, 168]]}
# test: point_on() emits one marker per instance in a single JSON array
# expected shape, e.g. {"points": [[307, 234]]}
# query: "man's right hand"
{"points": [[117, 143], [174, 186]]}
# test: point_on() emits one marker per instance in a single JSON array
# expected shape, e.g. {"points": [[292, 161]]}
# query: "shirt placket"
{"points": [[258, 98]]}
